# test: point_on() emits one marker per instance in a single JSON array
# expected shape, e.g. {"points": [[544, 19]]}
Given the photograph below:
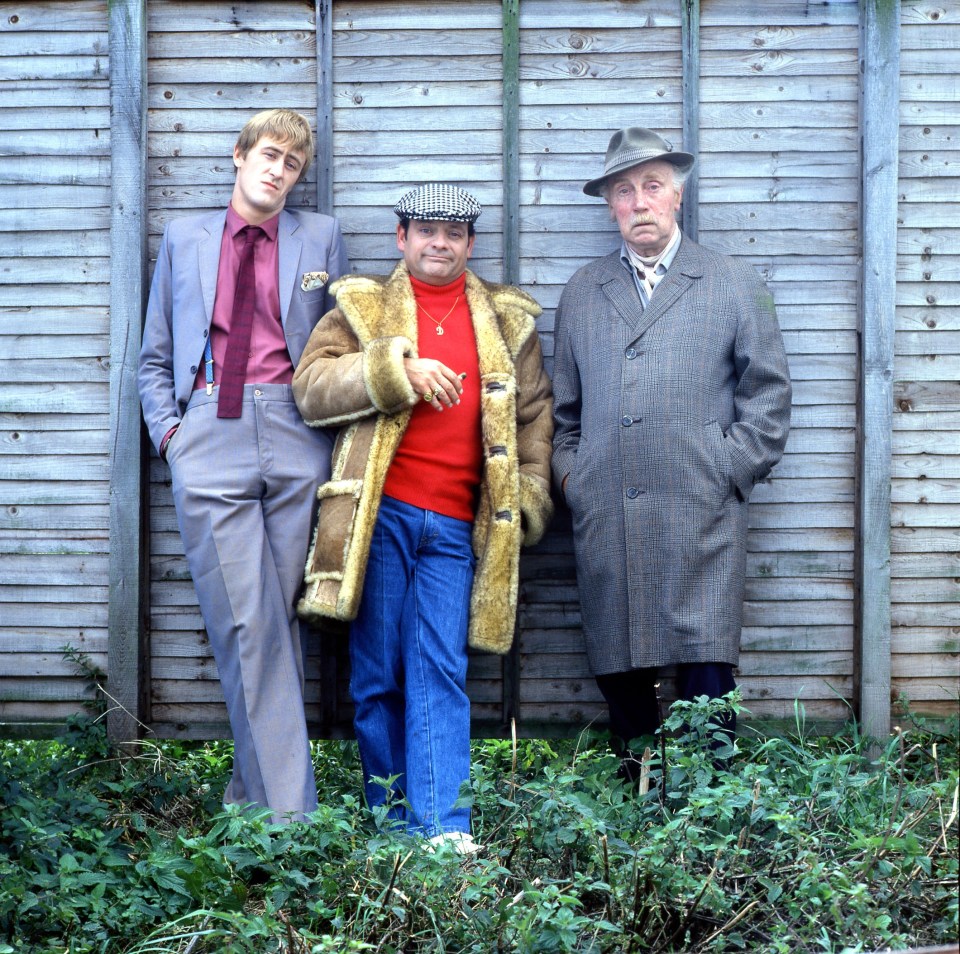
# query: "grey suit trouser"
{"points": [[245, 493]]}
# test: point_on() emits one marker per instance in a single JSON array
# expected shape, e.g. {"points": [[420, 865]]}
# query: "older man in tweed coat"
{"points": [[671, 400]]}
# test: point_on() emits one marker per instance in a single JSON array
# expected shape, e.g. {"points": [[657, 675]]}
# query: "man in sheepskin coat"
{"points": [[440, 472]]}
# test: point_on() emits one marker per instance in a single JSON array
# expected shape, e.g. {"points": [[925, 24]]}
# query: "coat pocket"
{"points": [[329, 549], [721, 456]]}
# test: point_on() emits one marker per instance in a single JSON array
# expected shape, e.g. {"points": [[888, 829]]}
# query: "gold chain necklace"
{"points": [[439, 323]]}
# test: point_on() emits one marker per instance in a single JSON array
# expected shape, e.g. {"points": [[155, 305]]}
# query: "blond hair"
{"points": [[286, 127]]}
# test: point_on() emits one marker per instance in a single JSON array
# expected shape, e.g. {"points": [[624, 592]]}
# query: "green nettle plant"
{"points": [[773, 844]]}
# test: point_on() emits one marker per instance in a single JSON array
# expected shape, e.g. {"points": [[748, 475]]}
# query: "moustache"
{"points": [[643, 220]]}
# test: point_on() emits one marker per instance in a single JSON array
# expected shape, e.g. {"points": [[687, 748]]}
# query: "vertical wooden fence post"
{"points": [[879, 121], [324, 28], [690, 56], [511, 268], [326, 641], [127, 660], [511, 141]]}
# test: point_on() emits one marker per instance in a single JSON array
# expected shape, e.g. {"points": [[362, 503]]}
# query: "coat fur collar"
{"points": [[378, 307]]}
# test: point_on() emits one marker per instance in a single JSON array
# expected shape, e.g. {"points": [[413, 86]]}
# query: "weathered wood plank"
{"points": [[65, 170], [928, 639], [926, 491], [65, 118], [75, 321], [722, 165], [52, 615], [832, 13], [44, 43], [54, 197], [61, 68], [247, 97], [84, 397], [52, 219], [34, 718], [927, 367], [922, 459], [51, 244], [39, 370], [80, 95], [776, 36], [266, 43], [29, 442], [468, 15], [45, 665]]}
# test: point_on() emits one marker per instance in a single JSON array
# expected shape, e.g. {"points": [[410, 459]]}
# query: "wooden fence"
{"points": [[827, 134]]}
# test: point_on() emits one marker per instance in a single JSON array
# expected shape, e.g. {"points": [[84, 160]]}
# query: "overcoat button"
{"points": [[193, 369], [631, 353], [626, 421], [633, 493]]}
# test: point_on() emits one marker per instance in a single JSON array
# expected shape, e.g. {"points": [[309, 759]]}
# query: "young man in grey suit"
{"points": [[235, 295], [671, 400]]}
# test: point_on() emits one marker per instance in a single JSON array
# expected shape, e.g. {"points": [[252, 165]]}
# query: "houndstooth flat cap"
{"points": [[438, 201]]}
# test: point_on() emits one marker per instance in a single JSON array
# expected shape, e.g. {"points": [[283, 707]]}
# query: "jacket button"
{"points": [[633, 493], [631, 353], [204, 332], [193, 369], [626, 421]]}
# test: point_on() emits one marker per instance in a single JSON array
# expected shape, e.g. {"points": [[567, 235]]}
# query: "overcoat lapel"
{"points": [[682, 273], [618, 287], [289, 259], [208, 250]]}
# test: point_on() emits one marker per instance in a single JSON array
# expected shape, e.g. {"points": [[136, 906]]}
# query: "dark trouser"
{"points": [[632, 700]]}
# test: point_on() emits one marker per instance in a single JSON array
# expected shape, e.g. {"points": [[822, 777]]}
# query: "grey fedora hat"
{"points": [[633, 145]]}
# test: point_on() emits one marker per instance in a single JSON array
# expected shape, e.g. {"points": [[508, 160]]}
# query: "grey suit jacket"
{"points": [[665, 417], [180, 308]]}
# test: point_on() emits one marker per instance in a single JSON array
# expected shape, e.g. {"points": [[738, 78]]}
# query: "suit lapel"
{"points": [[289, 261], [208, 250]]}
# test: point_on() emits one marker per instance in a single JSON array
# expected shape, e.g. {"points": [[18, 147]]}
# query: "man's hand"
{"points": [[434, 382]]}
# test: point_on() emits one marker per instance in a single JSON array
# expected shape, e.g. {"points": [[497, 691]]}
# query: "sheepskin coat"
{"points": [[352, 376]]}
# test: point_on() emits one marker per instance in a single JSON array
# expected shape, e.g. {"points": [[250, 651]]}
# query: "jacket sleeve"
{"points": [[155, 371], [566, 394], [763, 394], [534, 433], [338, 381]]}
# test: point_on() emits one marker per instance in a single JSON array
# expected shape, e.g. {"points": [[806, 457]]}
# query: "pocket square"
{"points": [[312, 280]]}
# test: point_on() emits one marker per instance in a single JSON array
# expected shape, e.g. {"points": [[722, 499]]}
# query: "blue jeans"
{"points": [[408, 666]]}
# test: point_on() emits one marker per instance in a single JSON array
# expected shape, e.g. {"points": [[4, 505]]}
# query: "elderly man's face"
{"points": [[435, 252], [644, 202]]}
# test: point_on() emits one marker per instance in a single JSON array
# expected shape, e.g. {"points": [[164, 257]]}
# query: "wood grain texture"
{"points": [[780, 186]]}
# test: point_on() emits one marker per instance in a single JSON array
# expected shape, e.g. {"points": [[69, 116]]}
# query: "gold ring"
{"points": [[428, 395]]}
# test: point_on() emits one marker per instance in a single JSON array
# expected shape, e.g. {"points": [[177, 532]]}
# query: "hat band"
{"points": [[633, 157]]}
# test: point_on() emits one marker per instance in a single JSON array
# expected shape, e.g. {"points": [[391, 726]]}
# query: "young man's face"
{"points": [[265, 177], [435, 252], [644, 202]]}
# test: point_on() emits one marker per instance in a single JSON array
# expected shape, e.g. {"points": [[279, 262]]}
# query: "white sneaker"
{"points": [[460, 841]]}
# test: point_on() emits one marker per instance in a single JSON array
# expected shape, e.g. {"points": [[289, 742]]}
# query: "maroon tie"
{"points": [[234, 375]]}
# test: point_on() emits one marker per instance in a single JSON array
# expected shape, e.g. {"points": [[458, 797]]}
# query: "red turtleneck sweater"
{"points": [[438, 463]]}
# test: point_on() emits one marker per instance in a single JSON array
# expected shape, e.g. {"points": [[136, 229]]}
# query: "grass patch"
{"points": [[806, 844]]}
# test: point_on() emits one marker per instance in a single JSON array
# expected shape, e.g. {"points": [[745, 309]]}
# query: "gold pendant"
{"points": [[439, 330]]}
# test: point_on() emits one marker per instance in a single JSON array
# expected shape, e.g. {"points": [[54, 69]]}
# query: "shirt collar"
{"points": [[666, 258], [235, 223]]}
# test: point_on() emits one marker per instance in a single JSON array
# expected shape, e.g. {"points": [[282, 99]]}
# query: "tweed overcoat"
{"points": [[665, 419], [352, 376]]}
